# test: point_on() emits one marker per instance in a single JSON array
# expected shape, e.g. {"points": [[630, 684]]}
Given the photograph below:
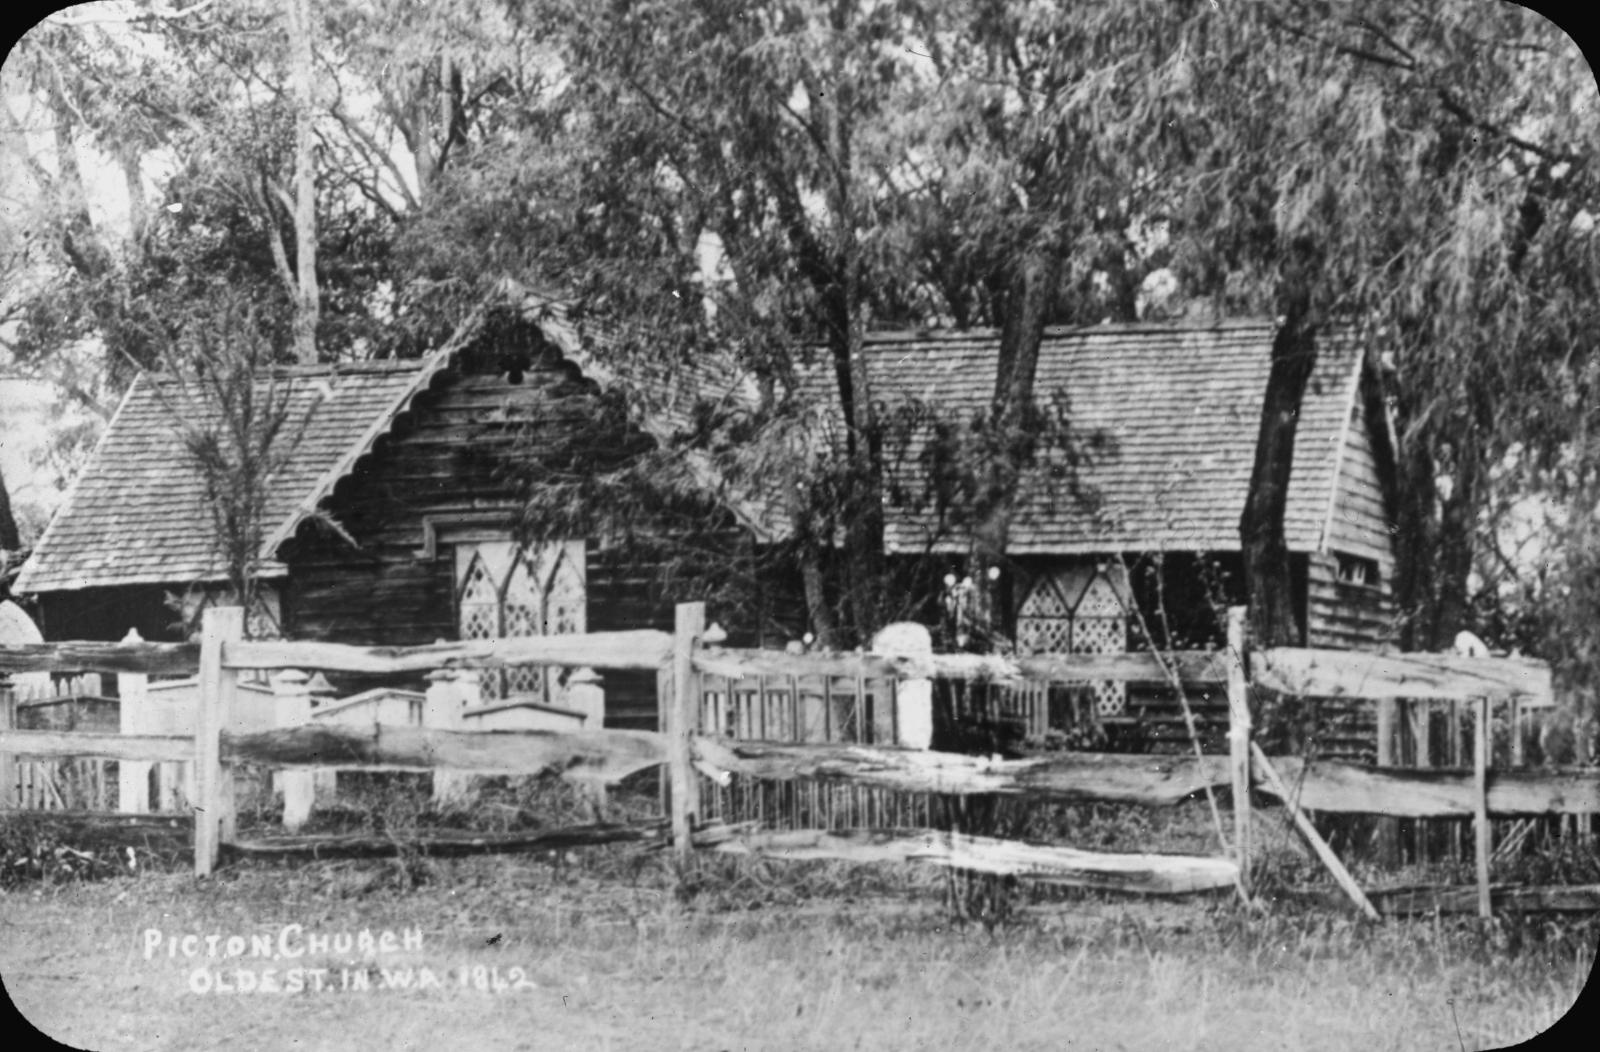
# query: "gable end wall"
{"points": [[1341, 614]]}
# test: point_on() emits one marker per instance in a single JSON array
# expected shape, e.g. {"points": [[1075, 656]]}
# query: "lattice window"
{"points": [[510, 592], [1100, 626], [523, 603], [1044, 624], [1057, 618], [565, 596]]}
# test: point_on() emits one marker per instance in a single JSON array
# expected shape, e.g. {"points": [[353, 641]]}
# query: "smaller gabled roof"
{"points": [[137, 512], [1178, 405]]}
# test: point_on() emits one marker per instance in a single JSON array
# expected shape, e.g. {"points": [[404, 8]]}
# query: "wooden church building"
{"points": [[396, 520], [393, 523]]}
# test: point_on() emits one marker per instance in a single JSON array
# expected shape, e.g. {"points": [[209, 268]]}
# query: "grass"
{"points": [[623, 950], [769, 955]]}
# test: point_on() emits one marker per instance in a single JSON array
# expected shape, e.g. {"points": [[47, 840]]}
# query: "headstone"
{"points": [[913, 697]]}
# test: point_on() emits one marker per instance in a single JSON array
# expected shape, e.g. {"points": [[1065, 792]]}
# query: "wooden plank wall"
{"points": [[1342, 614]]}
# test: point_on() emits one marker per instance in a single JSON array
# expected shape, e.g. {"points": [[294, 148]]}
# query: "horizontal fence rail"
{"points": [[1148, 874], [612, 755], [1402, 792], [1070, 777], [1195, 666], [156, 659], [1335, 673], [642, 649]]}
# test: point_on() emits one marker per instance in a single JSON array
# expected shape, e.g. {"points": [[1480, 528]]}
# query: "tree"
{"points": [[307, 297], [238, 425], [749, 134]]}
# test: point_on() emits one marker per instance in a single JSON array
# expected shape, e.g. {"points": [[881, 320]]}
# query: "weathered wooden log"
{"points": [[1073, 776], [89, 656], [153, 748], [1146, 874], [1350, 673], [607, 756], [639, 649], [1393, 902], [446, 843], [1436, 792], [679, 695], [1263, 768], [1192, 666]]}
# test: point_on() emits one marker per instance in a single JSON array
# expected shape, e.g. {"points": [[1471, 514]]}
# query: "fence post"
{"points": [[324, 780], [1514, 716], [214, 818], [449, 693], [1480, 770], [1239, 743], [133, 717], [1388, 731], [8, 761], [1421, 713], [291, 697], [679, 687]]}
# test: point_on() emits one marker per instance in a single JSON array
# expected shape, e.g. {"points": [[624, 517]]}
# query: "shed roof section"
{"points": [[137, 513], [1179, 406]]}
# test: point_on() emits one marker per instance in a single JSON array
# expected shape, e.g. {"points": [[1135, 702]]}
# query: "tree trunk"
{"points": [[308, 300], [1268, 581], [817, 607], [864, 522], [80, 242], [10, 536], [133, 179], [1027, 304], [1416, 548], [1457, 520], [843, 293]]}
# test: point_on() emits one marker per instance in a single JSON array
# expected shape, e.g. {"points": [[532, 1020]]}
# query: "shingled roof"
{"points": [[137, 513], [1180, 406]]}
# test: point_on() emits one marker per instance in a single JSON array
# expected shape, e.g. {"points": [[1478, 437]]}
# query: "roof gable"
{"points": [[137, 512]]}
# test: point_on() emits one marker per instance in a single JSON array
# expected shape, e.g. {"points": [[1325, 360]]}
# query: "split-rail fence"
{"points": [[688, 659]]}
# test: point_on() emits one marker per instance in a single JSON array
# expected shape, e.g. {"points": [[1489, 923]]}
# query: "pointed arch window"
{"points": [[510, 591], [1078, 611]]}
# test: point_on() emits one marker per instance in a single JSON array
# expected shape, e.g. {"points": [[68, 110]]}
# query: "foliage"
{"points": [[234, 416], [754, 186], [35, 854]]}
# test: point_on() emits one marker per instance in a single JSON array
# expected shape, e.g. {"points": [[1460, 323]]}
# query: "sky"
{"points": [[28, 412]]}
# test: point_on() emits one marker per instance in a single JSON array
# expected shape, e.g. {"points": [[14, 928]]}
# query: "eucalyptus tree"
{"points": [[711, 176], [1422, 173]]}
